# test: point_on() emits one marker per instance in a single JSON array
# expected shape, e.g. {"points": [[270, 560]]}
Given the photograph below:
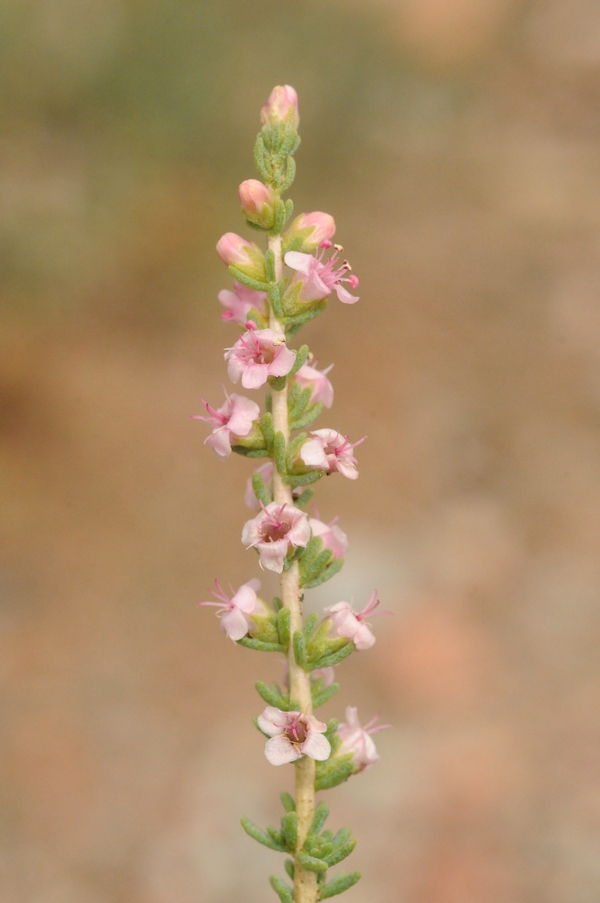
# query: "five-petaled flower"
{"points": [[330, 451], [257, 355], [293, 735], [240, 302], [357, 740], [320, 278], [233, 419], [236, 611], [347, 623], [274, 531]]}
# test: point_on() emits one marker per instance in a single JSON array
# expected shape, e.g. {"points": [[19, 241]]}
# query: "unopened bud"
{"points": [[258, 203], [313, 228], [282, 106], [244, 255]]}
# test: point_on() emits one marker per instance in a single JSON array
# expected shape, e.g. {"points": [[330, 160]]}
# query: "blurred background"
{"points": [[456, 142]]}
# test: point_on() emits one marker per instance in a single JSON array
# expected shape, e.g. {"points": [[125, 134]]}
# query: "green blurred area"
{"points": [[122, 127]]}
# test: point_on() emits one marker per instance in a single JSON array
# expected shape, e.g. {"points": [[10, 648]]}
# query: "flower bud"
{"points": [[282, 106], [244, 255], [258, 203], [312, 228]]}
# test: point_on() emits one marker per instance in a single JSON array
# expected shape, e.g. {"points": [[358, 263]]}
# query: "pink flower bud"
{"points": [[282, 106], [316, 227], [245, 255], [258, 202]]}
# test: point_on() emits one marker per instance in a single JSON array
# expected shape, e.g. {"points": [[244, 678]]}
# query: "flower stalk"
{"points": [[274, 293]]}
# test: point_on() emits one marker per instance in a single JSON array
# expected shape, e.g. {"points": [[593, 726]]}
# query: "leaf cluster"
{"points": [[321, 849]]}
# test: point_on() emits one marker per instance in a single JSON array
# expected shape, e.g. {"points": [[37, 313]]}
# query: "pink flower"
{"points": [[329, 450], [347, 624], [316, 380], [258, 354], [234, 418], [282, 106], [332, 536], [274, 531], [319, 227], [235, 612], [356, 739], [320, 278], [293, 735], [258, 202], [240, 302]]}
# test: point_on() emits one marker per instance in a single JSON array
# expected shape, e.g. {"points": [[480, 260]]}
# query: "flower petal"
{"points": [[279, 750]]}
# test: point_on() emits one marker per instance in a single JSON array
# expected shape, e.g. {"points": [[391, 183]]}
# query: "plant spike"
{"points": [[277, 289]]}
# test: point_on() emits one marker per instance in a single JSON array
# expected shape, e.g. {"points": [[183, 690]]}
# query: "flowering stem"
{"points": [[305, 881]]}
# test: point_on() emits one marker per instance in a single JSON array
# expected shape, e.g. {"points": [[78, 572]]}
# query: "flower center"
{"points": [[271, 532], [296, 732]]}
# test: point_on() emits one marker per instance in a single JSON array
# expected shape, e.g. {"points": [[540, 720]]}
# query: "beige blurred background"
{"points": [[457, 144]]}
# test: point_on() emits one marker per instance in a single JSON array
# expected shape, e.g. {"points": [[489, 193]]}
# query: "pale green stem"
{"points": [[305, 881]]}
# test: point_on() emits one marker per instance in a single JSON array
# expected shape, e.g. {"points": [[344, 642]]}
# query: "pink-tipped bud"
{"points": [[316, 230], [258, 202], [245, 255], [282, 106]]}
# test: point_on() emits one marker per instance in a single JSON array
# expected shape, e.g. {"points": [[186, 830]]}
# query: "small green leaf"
{"points": [[341, 853], [304, 479], [271, 694], [250, 643], [301, 356], [278, 383], [283, 625], [312, 863], [250, 452], [290, 174], [289, 867], [289, 830], [311, 414], [339, 885], [317, 565], [281, 889], [334, 659], [279, 222], [310, 625], [321, 815], [279, 453], [325, 695], [330, 571], [239, 276], [341, 837], [260, 490], [304, 498], [287, 801], [259, 835], [270, 265], [299, 648], [277, 603], [334, 771]]}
